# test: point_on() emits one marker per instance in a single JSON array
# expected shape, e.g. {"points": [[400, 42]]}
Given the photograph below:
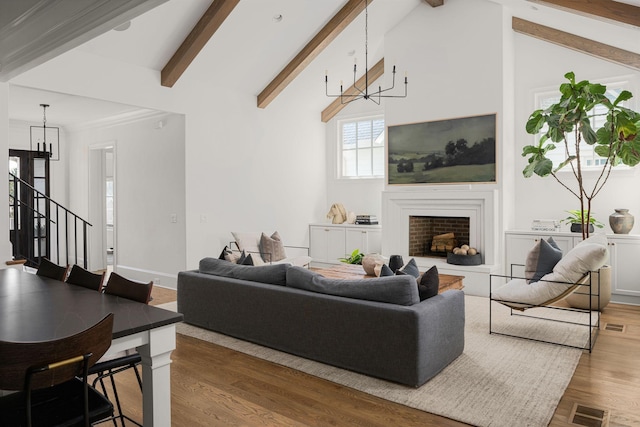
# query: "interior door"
{"points": [[30, 210]]}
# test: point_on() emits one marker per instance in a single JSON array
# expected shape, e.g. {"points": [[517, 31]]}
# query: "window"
{"points": [[361, 148], [589, 158]]}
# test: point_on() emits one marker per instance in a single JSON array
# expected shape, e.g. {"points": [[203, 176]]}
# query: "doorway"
{"points": [[102, 206], [29, 209]]}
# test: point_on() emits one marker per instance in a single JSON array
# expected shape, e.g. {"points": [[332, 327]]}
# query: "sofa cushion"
{"points": [[274, 274], [400, 290], [429, 283], [541, 259], [272, 248]]}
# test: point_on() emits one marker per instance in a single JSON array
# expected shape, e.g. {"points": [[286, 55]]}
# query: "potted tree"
{"points": [[617, 141]]}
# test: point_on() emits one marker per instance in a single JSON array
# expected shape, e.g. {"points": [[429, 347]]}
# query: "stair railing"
{"points": [[53, 216]]}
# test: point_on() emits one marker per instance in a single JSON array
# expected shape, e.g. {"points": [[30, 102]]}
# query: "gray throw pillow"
{"points": [[274, 274], [386, 271], [541, 259], [400, 290], [410, 268]]}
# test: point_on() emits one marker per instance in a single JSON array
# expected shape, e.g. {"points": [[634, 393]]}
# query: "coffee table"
{"points": [[355, 271]]}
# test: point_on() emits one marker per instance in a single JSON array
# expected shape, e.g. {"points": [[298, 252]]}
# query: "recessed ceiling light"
{"points": [[123, 27], [277, 18]]}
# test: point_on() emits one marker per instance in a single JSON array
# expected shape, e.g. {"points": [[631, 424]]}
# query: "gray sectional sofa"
{"points": [[343, 323]]}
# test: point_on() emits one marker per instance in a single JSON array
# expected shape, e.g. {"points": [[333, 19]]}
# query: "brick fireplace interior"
{"points": [[423, 228]]}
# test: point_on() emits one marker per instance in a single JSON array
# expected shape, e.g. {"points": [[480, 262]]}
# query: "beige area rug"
{"points": [[497, 381]]}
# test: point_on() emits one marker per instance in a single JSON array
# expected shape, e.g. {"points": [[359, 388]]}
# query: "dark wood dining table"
{"points": [[35, 308]]}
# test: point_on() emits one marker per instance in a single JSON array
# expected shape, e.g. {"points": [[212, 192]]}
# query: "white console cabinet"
{"points": [[329, 242], [624, 253]]}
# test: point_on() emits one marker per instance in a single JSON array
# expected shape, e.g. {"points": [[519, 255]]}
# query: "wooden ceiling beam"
{"points": [[336, 106], [608, 9], [581, 44], [325, 36], [435, 3], [196, 40]]}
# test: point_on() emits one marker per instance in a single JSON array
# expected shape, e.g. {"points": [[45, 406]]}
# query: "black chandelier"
{"points": [[40, 134], [364, 93]]}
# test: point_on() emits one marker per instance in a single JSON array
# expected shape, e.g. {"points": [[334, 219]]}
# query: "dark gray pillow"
{"points": [[386, 271], [429, 283], [274, 274], [400, 290], [225, 253], [410, 268], [547, 258]]}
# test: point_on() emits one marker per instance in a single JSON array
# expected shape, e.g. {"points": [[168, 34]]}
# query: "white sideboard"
{"points": [[624, 258], [329, 242]]}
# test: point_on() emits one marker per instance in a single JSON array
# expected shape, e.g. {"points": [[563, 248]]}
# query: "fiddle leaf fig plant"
{"points": [[566, 124]]}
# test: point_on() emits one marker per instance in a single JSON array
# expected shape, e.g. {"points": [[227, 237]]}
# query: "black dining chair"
{"points": [[136, 291], [81, 277], [51, 270], [50, 379]]}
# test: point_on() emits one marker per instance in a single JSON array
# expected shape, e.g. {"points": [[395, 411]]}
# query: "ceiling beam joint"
{"points": [[206, 27], [321, 40]]}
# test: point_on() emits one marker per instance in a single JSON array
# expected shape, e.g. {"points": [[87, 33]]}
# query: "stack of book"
{"points": [[366, 219]]}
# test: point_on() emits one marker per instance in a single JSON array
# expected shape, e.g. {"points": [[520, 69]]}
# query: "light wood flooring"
{"points": [[215, 386]]}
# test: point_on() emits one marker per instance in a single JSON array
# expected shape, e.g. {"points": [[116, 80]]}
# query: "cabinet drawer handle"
{"points": [[326, 229], [363, 232], [611, 243]]}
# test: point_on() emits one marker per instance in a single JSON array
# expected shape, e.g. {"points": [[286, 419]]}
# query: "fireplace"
{"points": [[478, 208], [423, 229]]}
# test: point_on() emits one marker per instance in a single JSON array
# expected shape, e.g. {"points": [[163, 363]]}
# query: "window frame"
{"points": [[340, 147]]}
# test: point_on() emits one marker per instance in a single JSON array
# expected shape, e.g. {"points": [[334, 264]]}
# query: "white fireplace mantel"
{"points": [[479, 206]]}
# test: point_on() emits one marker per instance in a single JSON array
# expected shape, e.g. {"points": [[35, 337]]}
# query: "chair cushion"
{"points": [[570, 270], [248, 242], [400, 290]]}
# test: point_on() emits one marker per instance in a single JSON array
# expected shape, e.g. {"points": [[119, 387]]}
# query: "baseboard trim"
{"points": [[165, 280]]}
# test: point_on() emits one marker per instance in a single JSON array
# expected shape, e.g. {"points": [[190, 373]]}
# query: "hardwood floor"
{"points": [[215, 386]]}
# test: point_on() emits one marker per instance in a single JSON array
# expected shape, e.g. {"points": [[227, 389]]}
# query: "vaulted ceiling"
{"points": [[264, 43]]}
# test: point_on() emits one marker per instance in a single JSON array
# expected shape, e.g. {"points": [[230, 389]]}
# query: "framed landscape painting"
{"points": [[451, 151]]}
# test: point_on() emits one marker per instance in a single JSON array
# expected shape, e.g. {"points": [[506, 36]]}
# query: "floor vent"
{"points": [[614, 327], [583, 415]]}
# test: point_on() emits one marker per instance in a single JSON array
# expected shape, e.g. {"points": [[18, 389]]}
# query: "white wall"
{"points": [[149, 186], [246, 168], [541, 66]]}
